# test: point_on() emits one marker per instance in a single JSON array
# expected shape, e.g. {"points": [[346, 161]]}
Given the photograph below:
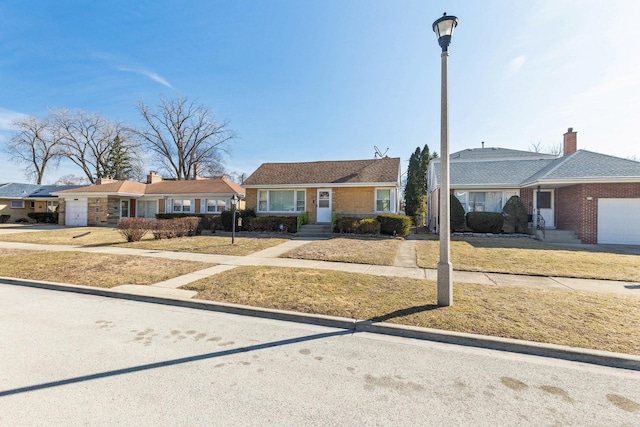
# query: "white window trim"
{"points": [[20, 204], [295, 200], [204, 205], [392, 200], [171, 202], [128, 208], [505, 193]]}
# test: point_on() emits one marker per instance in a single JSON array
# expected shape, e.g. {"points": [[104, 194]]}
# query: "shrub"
{"points": [[485, 222], [272, 223], [133, 229], [368, 226], [206, 222], [456, 219], [347, 224], [394, 225], [226, 219], [46, 217], [515, 214], [334, 221], [4, 218], [303, 219]]}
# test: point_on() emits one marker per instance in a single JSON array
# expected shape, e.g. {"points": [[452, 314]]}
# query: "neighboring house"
{"points": [[595, 195], [18, 200], [109, 200], [362, 188]]}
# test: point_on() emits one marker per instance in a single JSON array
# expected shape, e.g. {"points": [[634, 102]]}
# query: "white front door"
{"points": [[323, 209], [543, 203]]}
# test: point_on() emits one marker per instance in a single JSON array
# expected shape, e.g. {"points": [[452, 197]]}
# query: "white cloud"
{"points": [[7, 117], [149, 74], [516, 63]]}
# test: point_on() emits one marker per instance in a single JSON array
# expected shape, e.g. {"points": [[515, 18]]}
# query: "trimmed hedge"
{"points": [[46, 217], [456, 220], [272, 223], [207, 222], [485, 222], [347, 224], [4, 218], [394, 225], [368, 226], [226, 219], [133, 229], [515, 214]]}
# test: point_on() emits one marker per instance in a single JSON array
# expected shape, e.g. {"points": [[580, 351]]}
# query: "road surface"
{"points": [[72, 359]]}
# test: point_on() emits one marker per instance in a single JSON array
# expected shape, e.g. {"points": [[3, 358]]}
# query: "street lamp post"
{"points": [[234, 205], [443, 28]]}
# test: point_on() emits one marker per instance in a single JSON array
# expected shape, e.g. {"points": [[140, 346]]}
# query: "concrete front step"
{"points": [[315, 231], [561, 236]]}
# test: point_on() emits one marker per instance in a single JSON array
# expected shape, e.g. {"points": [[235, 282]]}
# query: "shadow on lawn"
{"points": [[404, 312]]}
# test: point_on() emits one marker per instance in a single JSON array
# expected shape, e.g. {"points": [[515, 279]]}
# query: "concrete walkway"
{"points": [[405, 266]]}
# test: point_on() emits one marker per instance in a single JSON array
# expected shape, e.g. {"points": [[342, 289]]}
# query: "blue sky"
{"points": [[306, 80]]}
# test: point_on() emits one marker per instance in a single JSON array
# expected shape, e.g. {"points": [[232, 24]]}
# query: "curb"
{"points": [[595, 357]]}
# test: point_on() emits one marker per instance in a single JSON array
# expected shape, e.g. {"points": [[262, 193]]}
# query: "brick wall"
{"points": [[574, 211], [5, 209]]}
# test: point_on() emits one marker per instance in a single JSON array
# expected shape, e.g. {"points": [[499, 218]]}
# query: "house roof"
{"points": [[502, 168], [12, 190], [343, 172], [200, 186]]}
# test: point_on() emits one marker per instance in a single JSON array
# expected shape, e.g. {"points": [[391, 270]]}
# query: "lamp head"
{"points": [[443, 28]]}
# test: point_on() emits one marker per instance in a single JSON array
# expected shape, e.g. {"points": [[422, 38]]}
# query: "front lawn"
{"points": [[580, 319]]}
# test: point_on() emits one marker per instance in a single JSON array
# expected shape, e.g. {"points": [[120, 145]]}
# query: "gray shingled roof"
{"points": [[512, 168], [13, 190], [584, 164], [326, 172]]}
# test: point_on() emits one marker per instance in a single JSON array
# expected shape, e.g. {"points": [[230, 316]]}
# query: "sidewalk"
{"points": [[405, 267]]}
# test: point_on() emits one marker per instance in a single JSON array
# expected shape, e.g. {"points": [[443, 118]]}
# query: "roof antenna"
{"points": [[379, 153]]}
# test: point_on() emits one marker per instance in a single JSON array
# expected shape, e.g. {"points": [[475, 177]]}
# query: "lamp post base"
{"points": [[445, 284]]}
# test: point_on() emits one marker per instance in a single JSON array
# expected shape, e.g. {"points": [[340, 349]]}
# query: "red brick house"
{"points": [[361, 188], [594, 195]]}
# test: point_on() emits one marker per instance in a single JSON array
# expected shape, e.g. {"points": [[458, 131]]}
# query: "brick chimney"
{"points": [[570, 142], [153, 177], [105, 180]]}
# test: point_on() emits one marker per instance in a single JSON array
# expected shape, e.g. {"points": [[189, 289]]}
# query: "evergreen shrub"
{"points": [[485, 222]]}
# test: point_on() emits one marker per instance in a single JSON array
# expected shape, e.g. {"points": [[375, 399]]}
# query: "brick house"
{"points": [[594, 195], [109, 200], [362, 188]]}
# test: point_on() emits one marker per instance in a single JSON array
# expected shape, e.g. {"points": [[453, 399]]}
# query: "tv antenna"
{"points": [[379, 153]]}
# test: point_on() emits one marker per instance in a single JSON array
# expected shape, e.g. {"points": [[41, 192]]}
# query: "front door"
{"points": [[544, 205], [323, 212]]}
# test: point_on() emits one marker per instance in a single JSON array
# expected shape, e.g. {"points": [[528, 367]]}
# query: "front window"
{"points": [[124, 209], [17, 204], [281, 201], [180, 206], [52, 205], [216, 205], [483, 201], [383, 200]]}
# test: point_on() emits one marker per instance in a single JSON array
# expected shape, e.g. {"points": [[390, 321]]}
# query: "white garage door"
{"points": [[76, 212], [617, 221]]}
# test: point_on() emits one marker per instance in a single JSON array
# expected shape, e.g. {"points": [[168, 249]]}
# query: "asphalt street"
{"points": [[75, 359]]}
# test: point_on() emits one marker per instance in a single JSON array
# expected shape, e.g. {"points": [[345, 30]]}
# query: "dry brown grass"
{"points": [[361, 251], [580, 319], [531, 257], [106, 236], [90, 269]]}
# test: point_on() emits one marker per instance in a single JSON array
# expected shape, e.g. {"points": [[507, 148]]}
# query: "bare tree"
{"points": [[184, 137], [36, 144], [72, 180], [539, 147], [88, 141]]}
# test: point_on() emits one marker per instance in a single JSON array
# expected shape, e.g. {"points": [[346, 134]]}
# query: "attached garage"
{"points": [[617, 221], [75, 212]]}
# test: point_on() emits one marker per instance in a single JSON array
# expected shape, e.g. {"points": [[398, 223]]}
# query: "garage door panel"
{"points": [[615, 221], [76, 212]]}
